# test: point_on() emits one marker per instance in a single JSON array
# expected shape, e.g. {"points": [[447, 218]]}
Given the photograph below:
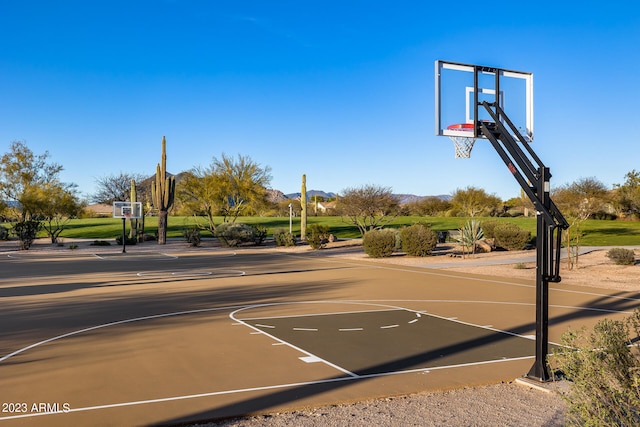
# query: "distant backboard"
{"points": [[128, 210], [460, 87]]}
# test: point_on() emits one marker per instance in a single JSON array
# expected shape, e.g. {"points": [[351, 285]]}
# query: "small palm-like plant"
{"points": [[469, 234]]}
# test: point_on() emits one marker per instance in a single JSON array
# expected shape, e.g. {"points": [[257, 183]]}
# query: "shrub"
{"points": [[317, 236], [418, 240], [259, 234], [379, 243], [604, 371], [488, 228], [127, 240], [233, 234], [4, 233], [192, 236], [100, 243], [26, 232], [511, 237], [622, 256], [283, 237]]}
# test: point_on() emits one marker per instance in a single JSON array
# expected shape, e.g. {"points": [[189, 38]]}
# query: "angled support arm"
{"points": [[533, 176]]}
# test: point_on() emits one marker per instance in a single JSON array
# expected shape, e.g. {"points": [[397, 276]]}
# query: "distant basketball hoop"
{"points": [[463, 144], [126, 211]]}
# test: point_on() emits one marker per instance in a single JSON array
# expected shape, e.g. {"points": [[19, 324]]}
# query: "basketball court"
{"points": [[158, 337], [151, 337]]}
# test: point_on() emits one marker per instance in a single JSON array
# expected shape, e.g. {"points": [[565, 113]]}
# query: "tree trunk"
{"points": [[162, 227]]}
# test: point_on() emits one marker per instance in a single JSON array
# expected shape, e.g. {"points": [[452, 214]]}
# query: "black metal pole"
{"points": [[123, 236], [544, 244]]}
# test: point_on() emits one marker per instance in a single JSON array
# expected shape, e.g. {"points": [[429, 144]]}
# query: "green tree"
{"points": [[22, 173], [473, 201], [627, 196], [228, 187], [369, 207], [579, 200], [56, 205], [429, 206]]}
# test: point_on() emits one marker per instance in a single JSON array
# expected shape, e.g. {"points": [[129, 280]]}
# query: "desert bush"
{"points": [[283, 237], [259, 234], [604, 372], [26, 232], [418, 240], [488, 228], [127, 240], [232, 234], [317, 236], [511, 237], [621, 256], [192, 236], [379, 243]]}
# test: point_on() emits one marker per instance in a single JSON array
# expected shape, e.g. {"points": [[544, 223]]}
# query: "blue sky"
{"points": [[342, 91]]}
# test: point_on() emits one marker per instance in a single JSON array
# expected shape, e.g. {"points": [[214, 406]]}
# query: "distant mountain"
{"points": [[311, 193], [403, 198], [276, 196]]}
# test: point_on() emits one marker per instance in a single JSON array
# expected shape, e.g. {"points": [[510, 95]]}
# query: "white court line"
{"points": [[351, 376], [232, 315], [333, 313], [106, 325], [186, 273], [262, 388], [131, 256], [242, 323]]}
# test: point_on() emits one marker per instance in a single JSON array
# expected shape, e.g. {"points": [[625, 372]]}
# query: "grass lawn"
{"points": [[595, 232]]}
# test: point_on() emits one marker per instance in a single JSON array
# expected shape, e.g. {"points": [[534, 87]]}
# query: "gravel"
{"points": [[494, 405]]}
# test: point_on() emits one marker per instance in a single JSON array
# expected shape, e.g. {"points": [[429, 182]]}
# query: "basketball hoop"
{"points": [[462, 144]]}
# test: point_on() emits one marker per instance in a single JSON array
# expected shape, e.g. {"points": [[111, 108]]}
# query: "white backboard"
{"points": [[456, 86], [129, 210]]}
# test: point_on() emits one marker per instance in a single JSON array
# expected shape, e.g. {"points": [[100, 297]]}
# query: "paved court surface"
{"points": [[152, 337]]}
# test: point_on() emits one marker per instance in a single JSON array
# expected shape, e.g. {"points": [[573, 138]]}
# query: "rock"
{"points": [[483, 246]]}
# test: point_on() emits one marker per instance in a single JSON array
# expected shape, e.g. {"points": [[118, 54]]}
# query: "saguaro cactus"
{"points": [[133, 197], [303, 206], [137, 225], [163, 189]]}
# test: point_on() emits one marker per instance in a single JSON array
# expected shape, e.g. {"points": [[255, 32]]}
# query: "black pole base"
{"points": [[539, 372]]}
